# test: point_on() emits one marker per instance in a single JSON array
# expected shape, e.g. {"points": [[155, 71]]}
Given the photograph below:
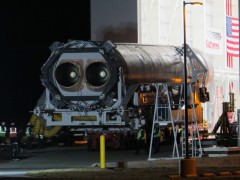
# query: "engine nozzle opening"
{"points": [[97, 74], [67, 74]]}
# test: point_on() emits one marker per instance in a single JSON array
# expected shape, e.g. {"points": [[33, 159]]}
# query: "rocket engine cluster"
{"points": [[92, 83]]}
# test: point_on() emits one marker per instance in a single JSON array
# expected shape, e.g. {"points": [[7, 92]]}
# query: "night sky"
{"points": [[27, 30]]}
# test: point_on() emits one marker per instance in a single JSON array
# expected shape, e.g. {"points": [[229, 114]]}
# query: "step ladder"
{"points": [[183, 141], [194, 141], [159, 119], [193, 150]]}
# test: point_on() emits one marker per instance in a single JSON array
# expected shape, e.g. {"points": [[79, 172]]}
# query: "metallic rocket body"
{"points": [[89, 71], [93, 83]]}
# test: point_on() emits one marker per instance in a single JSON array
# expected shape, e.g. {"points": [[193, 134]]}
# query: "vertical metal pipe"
{"points": [[185, 78], [102, 151], [238, 126], [239, 43], [238, 111]]}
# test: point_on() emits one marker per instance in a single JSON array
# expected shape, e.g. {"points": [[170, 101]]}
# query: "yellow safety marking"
{"points": [[84, 118]]}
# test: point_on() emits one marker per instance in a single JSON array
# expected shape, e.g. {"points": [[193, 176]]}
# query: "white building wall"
{"points": [[160, 22]]}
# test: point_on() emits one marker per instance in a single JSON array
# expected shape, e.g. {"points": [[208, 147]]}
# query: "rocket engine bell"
{"points": [[67, 74]]}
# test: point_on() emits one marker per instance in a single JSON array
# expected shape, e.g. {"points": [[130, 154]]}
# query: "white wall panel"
{"points": [[160, 22]]}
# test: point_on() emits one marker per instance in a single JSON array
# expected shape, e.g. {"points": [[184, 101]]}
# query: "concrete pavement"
{"points": [[79, 157]]}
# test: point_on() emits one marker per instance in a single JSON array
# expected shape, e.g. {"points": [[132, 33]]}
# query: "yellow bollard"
{"points": [[102, 151]]}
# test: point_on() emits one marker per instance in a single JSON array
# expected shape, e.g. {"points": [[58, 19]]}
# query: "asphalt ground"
{"points": [[79, 163]]}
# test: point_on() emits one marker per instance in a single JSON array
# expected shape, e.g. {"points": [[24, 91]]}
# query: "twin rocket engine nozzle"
{"points": [[68, 74], [84, 75]]}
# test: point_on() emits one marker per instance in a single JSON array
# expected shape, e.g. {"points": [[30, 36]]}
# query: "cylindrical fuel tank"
{"points": [[151, 63], [87, 70]]}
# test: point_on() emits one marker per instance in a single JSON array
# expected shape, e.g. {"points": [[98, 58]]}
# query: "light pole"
{"points": [[185, 71], [187, 165]]}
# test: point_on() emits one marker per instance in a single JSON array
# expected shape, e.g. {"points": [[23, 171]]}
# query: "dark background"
{"points": [[27, 30]]}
